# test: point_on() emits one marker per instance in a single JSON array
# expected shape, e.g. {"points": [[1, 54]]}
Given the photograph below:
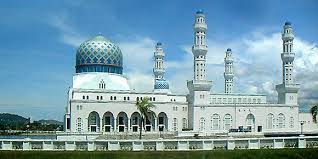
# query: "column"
{"points": [[156, 125], [101, 127], [128, 125]]}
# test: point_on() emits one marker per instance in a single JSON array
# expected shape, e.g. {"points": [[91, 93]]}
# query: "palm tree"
{"points": [[144, 107], [314, 112]]}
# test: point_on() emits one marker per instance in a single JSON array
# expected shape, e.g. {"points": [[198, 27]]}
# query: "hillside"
{"points": [[16, 122], [47, 122], [12, 121]]}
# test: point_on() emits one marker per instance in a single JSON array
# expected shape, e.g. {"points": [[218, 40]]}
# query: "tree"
{"points": [[144, 107], [314, 112]]}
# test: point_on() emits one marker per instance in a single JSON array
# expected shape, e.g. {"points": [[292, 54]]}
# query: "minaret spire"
{"points": [[160, 84], [228, 72], [287, 91]]}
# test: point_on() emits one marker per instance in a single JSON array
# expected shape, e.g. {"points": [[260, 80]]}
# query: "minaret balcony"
{"points": [[159, 54], [288, 57], [158, 71], [200, 26], [287, 88], [199, 49], [228, 60], [229, 75], [199, 85], [287, 36]]}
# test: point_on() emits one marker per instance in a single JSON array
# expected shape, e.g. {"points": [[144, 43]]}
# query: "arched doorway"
{"points": [[108, 122], [250, 122], [122, 122], [162, 121], [135, 122], [93, 122], [149, 121]]}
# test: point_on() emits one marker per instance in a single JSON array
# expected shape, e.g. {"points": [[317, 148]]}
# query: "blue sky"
{"points": [[38, 40]]}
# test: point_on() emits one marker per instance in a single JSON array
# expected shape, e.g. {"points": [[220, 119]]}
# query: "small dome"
{"points": [[159, 43], [287, 23], [200, 12], [161, 84], [99, 55], [229, 49]]}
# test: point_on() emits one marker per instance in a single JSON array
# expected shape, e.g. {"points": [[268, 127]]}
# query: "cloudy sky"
{"points": [[38, 41]]}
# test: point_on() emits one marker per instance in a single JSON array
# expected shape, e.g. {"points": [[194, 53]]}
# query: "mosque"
{"points": [[101, 99]]}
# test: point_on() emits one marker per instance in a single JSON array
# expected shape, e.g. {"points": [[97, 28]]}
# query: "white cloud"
{"points": [[68, 34], [257, 66], [257, 63]]}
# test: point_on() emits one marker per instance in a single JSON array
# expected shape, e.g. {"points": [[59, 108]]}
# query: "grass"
{"points": [[215, 154]]}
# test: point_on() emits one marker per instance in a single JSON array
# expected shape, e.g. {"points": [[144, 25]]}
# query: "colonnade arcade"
{"points": [[121, 122]]}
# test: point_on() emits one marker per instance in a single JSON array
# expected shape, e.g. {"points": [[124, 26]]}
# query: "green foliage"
{"points": [[314, 112], [214, 154]]}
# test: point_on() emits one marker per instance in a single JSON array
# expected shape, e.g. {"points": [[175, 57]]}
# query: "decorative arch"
{"points": [[149, 122], [108, 122], [270, 121], [291, 122], [93, 122], [122, 122], [227, 122], [202, 124], [162, 121], [135, 121], [250, 122], [215, 122], [281, 121]]}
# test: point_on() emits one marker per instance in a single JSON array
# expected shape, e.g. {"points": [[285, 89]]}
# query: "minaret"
{"points": [[287, 91], [228, 72], [160, 84], [199, 88], [199, 48]]}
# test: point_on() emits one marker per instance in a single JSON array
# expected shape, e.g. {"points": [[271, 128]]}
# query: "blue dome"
{"points": [[287, 23], [161, 84], [200, 12], [229, 49], [99, 55]]}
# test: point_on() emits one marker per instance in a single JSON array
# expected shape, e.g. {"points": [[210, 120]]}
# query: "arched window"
{"points": [[79, 124], [250, 122], [281, 121], [184, 123], [215, 121], [227, 122], [291, 122], [102, 84], [202, 124], [175, 124], [270, 123]]}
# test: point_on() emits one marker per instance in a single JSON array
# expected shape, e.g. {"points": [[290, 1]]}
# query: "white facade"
{"points": [[101, 100]]}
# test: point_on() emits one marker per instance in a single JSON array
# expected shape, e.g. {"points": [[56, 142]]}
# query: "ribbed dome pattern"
{"points": [[99, 55]]}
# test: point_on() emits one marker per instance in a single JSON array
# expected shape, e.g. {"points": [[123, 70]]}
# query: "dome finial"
{"points": [[200, 11], [287, 23]]}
